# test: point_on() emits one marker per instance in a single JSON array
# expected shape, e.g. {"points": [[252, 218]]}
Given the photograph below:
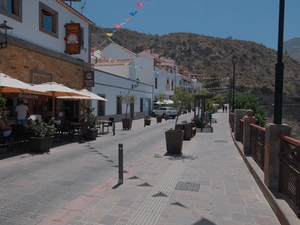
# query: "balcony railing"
{"points": [[257, 144], [289, 169]]}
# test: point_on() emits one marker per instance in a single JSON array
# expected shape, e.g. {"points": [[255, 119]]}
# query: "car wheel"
{"points": [[173, 117], [153, 114]]}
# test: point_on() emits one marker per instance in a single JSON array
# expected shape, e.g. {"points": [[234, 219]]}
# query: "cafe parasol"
{"points": [[12, 85], [88, 96], [56, 90]]}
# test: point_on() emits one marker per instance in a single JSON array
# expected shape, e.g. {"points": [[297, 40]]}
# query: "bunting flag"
{"points": [[118, 26], [133, 13], [141, 5]]}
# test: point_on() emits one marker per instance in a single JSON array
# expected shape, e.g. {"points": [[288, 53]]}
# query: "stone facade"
{"points": [[33, 64], [22, 63]]}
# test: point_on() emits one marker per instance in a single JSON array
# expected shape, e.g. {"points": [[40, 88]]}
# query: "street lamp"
{"points": [[4, 27], [279, 68], [137, 83], [234, 61]]}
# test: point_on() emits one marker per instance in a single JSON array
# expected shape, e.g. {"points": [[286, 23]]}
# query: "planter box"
{"points": [[92, 134], [127, 123], [147, 122], [174, 141], [40, 144], [158, 119]]}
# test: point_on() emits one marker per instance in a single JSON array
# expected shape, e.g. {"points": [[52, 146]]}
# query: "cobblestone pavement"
{"points": [[209, 184]]}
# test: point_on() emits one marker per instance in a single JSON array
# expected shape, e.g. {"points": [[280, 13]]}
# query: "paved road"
{"points": [[76, 184]]}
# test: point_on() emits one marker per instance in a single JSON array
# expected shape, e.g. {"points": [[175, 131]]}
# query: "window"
{"points": [[119, 105], [48, 20], [156, 82], [40, 78], [172, 85], [101, 107], [11, 8], [141, 105]]}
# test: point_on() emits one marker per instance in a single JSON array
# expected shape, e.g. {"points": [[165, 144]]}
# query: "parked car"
{"points": [[162, 111]]}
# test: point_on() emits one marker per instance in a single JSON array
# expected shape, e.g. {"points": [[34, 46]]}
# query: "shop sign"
{"points": [[89, 79], [73, 42], [27, 96]]}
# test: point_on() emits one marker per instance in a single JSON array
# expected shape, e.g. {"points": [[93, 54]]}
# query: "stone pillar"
{"points": [[248, 119], [272, 148], [238, 114]]}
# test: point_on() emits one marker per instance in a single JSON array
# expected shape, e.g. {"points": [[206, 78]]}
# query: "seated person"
{"points": [[6, 129]]}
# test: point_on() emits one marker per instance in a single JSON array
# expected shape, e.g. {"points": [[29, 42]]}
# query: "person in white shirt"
{"points": [[22, 111]]}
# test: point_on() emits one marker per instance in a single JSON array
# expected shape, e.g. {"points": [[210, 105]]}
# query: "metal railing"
{"points": [[289, 169], [257, 144], [241, 130]]}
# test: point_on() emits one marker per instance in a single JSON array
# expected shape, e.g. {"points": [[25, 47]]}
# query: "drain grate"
{"points": [[220, 141], [187, 186]]}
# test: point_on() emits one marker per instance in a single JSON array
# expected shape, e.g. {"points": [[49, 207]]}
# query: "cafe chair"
{"points": [[109, 124], [18, 135], [65, 130], [82, 131]]}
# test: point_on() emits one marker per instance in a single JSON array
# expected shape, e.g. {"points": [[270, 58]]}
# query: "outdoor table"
{"points": [[104, 123]]}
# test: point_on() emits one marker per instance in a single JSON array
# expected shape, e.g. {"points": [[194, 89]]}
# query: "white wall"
{"points": [[112, 85], [28, 29], [144, 67], [126, 71]]}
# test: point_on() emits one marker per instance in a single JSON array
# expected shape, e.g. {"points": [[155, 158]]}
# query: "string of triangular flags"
{"points": [[207, 80], [118, 26]]}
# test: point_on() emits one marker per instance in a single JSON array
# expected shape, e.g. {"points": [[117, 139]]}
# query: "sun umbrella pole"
{"points": [[53, 105]]}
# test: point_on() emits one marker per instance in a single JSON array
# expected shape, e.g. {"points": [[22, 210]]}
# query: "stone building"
{"points": [[49, 42]]}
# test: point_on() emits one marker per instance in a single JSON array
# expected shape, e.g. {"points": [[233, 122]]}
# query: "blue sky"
{"points": [[251, 20]]}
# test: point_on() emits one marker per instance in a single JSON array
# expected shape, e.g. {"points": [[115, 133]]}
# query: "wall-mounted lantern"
{"points": [[137, 83], [5, 27]]}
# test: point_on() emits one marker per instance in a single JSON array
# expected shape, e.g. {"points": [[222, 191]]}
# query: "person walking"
{"points": [[22, 111]]}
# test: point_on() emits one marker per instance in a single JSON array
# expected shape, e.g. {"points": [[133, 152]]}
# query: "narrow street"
{"points": [[35, 186]]}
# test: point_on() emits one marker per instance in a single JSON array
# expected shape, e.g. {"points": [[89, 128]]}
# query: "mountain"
{"points": [[293, 48], [204, 55]]}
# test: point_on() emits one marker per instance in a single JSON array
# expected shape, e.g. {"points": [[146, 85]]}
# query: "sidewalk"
{"points": [[209, 184]]}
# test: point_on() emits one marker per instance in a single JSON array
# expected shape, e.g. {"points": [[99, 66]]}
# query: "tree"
{"points": [[182, 98], [127, 99], [161, 98]]}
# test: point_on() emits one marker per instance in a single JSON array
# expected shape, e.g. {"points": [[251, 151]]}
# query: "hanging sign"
{"points": [[73, 38], [89, 79]]}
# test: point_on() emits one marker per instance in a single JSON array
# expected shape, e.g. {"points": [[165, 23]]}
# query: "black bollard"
{"points": [[120, 181]]}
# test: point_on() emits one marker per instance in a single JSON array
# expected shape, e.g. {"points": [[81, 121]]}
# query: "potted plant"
{"points": [[147, 121], [91, 119], [174, 136], [41, 135], [128, 99], [174, 141], [158, 118]]}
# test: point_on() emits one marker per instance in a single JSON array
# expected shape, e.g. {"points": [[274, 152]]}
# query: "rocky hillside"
{"points": [[292, 47], [255, 70]]}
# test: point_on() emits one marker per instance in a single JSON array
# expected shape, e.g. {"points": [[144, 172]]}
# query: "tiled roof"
{"points": [[147, 54], [124, 49], [71, 9], [114, 62]]}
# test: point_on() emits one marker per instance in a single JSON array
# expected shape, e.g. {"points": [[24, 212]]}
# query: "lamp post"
{"points": [[4, 27], [279, 68], [137, 83], [234, 61]]}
